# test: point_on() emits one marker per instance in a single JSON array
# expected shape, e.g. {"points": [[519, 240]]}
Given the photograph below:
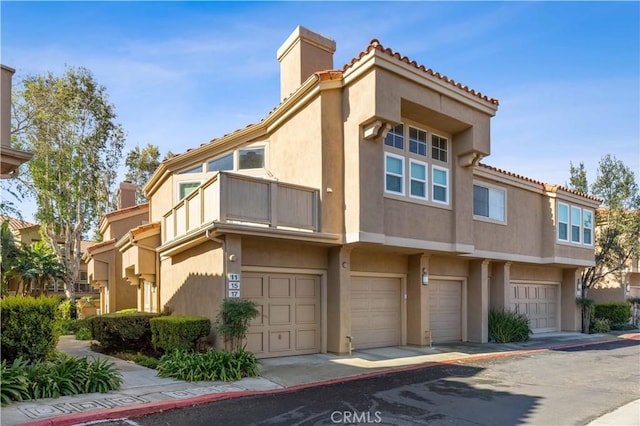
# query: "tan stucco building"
{"points": [[358, 213], [10, 158]]}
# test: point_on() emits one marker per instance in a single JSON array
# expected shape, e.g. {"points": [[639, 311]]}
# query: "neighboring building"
{"points": [[29, 233], [357, 213], [104, 260], [11, 158]]}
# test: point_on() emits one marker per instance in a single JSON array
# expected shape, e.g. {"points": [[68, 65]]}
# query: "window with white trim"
{"points": [[587, 227], [409, 167], [394, 174], [574, 224], [440, 184], [251, 158], [221, 163], [187, 187], [489, 202], [563, 222], [418, 176]]}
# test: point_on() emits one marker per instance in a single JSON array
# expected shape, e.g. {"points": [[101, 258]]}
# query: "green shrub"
{"points": [[29, 328], [208, 366], [507, 326], [65, 375], [68, 310], [233, 321], [600, 325], [83, 333], [615, 312], [173, 332], [120, 331], [14, 385]]}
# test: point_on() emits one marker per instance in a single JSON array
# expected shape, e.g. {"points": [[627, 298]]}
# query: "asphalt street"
{"points": [[558, 387]]}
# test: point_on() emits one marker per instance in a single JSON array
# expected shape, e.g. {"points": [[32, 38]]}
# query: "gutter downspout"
{"points": [[223, 244]]}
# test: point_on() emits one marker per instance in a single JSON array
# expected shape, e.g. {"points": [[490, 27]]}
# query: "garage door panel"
{"points": [[306, 314], [279, 314], [279, 287], [289, 321], [539, 302], [280, 341], [445, 311], [375, 312]]}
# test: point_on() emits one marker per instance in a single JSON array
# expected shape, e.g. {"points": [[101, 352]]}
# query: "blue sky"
{"points": [[182, 73]]}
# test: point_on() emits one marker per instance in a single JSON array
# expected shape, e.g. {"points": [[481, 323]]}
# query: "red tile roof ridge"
{"points": [[100, 244], [145, 227], [126, 209], [546, 186], [15, 223], [375, 44]]}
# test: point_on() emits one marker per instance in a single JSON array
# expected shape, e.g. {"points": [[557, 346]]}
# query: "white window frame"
{"points": [[182, 182], [446, 150], [252, 148], [572, 225], [567, 223], [425, 182], [492, 189], [426, 142], [402, 176], [434, 168], [218, 157], [584, 228]]}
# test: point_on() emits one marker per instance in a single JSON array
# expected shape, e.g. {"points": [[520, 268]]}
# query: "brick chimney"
{"points": [[302, 54], [126, 195]]}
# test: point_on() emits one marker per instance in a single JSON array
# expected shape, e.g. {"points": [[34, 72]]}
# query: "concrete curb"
{"points": [[153, 407]]}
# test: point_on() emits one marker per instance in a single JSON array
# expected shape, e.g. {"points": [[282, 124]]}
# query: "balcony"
{"points": [[244, 200]]}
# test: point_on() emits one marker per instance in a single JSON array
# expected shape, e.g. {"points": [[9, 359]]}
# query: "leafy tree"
{"points": [[8, 254], [617, 236], [69, 125], [141, 163], [36, 267]]}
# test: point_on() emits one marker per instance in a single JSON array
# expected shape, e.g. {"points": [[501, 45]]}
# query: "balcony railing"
{"points": [[233, 198]]}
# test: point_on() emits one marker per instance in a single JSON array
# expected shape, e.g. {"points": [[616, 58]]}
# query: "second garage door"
{"points": [[445, 311], [539, 302], [375, 312], [289, 320]]}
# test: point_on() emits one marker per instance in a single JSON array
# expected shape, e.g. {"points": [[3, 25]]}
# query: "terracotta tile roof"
{"points": [[546, 186], [115, 213], [375, 44], [16, 224], [337, 75], [95, 247], [147, 227]]}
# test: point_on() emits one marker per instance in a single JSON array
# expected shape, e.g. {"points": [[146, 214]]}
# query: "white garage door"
{"points": [[375, 312], [539, 302], [445, 311], [289, 320]]}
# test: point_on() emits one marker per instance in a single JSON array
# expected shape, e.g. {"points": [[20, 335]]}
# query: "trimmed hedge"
{"points": [[29, 328], [173, 332], [120, 331], [615, 312]]}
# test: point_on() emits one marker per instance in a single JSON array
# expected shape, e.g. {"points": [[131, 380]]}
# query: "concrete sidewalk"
{"points": [[143, 392]]}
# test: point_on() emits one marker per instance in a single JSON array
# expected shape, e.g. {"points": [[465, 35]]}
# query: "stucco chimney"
{"points": [[302, 54], [126, 195]]}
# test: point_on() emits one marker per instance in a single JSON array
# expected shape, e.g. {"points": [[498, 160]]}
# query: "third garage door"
{"points": [[445, 311], [375, 312], [539, 302]]}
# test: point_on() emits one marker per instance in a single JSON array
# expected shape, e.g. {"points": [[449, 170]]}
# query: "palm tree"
{"points": [[36, 267]]}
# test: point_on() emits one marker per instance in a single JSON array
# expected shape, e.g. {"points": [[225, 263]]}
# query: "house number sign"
{"points": [[234, 285]]}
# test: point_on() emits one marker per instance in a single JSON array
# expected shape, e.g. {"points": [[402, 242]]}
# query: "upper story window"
{"points": [[418, 169], [191, 170], [224, 162], [489, 202], [251, 158], [395, 137], [574, 224], [187, 187]]}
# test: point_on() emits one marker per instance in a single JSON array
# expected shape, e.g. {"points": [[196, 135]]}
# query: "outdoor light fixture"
{"points": [[578, 286], [628, 288], [425, 276]]}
